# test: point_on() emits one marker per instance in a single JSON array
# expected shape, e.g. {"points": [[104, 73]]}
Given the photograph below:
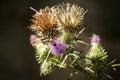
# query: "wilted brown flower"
{"points": [[70, 16], [44, 22]]}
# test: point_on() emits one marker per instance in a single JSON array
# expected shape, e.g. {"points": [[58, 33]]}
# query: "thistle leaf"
{"points": [[46, 67], [116, 65], [41, 52], [111, 62]]}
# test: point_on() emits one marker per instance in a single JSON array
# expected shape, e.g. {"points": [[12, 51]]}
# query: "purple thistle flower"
{"points": [[95, 39], [57, 47], [33, 39]]}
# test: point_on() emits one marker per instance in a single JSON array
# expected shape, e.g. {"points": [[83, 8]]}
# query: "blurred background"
{"points": [[17, 56]]}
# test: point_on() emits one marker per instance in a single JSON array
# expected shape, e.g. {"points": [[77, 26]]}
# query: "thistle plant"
{"points": [[57, 29]]}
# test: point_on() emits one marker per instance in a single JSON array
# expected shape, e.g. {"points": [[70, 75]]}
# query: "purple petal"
{"points": [[95, 38], [58, 48], [33, 39]]}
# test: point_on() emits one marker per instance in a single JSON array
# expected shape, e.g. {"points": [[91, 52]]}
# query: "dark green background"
{"points": [[17, 56]]}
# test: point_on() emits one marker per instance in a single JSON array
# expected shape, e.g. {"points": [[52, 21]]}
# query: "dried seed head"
{"points": [[44, 22], [70, 16]]}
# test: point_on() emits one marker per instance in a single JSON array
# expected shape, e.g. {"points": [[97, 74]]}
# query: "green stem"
{"points": [[77, 66]]}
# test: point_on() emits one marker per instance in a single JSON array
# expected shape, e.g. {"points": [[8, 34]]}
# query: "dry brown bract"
{"points": [[44, 22]]}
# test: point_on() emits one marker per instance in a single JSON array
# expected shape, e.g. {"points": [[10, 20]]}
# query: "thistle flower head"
{"points": [[44, 22], [57, 47], [95, 39], [33, 39], [70, 16]]}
